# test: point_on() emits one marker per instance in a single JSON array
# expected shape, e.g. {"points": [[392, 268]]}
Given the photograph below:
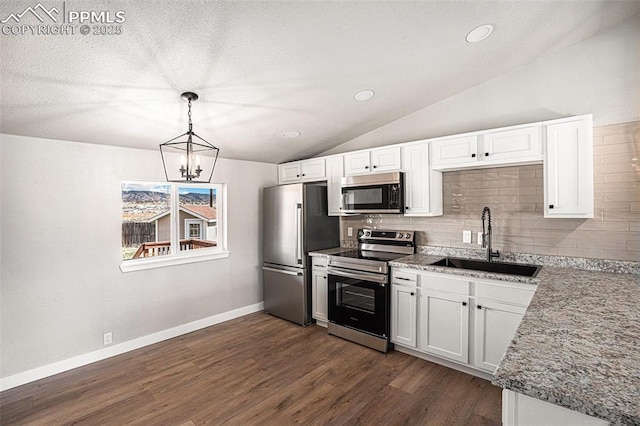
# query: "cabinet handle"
{"points": [[479, 307], [473, 155], [550, 206], [486, 154], [464, 303]]}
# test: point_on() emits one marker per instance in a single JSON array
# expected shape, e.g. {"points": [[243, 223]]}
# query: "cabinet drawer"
{"points": [[404, 278], [445, 284], [505, 293], [319, 261]]}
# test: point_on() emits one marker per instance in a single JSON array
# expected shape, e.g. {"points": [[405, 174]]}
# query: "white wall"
{"points": [[600, 75], [61, 287]]}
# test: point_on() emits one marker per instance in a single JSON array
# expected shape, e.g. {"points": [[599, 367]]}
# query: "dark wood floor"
{"points": [[256, 370]]}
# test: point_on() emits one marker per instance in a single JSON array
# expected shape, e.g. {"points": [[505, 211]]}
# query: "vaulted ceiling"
{"points": [[264, 69]]}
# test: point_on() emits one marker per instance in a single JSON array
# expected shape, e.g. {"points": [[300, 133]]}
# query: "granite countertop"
{"points": [[578, 345], [423, 262]]}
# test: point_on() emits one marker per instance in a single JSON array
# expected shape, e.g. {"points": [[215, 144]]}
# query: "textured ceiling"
{"points": [[269, 67]]}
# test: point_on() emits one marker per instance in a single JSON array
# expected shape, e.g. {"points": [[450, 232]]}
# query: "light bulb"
{"points": [[197, 161], [183, 160]]}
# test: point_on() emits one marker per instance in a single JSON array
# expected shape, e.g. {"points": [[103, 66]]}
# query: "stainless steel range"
{"points": [[359, 290]]}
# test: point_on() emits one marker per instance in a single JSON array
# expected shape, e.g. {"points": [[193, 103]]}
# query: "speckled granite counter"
{"points": [[578, 345]]}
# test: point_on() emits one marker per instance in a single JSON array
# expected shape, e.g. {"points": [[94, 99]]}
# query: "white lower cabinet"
{"points": [[403, 315], [466, 320], [495, 325], [443, 320], [319, 290]]}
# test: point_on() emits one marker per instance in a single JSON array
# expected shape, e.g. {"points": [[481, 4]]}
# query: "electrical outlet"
{"points": [[466, 237], [479, 238], [349, 231], [108, 338]]}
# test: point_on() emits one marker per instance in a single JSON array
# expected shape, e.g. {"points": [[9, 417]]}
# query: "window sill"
{"points": [[163, 261]]}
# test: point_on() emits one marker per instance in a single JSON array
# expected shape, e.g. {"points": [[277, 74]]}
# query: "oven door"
{"points": [[359, 300]]}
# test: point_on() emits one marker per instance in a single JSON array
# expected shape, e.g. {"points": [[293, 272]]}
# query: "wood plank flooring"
{"points": [[257, 369]]}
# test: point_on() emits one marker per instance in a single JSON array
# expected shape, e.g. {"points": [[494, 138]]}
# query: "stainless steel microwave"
{"points": [[373, 193]]}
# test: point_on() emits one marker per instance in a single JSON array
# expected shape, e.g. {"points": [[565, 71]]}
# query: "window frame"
{"points": [[178, 257]]}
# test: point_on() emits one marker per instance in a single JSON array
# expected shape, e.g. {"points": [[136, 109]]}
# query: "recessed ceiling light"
{"points": [[364, 95], [480, 33], [291, 135]]}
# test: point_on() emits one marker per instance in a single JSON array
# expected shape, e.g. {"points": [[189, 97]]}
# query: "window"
{"points": [[167, 224]]}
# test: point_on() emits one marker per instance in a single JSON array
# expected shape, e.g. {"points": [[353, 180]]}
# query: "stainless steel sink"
{"points": [[482, 265]]}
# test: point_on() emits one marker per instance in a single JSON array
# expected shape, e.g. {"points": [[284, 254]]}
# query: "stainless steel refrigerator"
{"points": [[295, 222]]}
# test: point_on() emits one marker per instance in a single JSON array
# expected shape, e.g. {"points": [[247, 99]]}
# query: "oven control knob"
{"points": [[400, 235], [360, 233], [408, 236]]}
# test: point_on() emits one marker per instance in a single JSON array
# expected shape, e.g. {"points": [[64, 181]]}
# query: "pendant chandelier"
{"points": [[188, 158]]}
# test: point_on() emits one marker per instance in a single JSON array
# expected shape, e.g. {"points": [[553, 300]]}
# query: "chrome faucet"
{"points": [[486, 235]]}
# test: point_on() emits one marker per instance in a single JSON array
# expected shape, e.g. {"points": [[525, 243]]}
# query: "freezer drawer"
{"points": [[286, 293]]}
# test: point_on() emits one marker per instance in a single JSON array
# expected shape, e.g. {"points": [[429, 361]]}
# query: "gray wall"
{"points": [[60, 285]]}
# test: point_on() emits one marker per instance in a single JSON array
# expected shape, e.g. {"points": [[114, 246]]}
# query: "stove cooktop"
{"points": [[371, 255]]}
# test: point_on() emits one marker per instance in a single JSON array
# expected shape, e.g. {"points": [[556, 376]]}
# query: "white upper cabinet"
{"points": [[423, 185], [500, 147], [335, 172], [568, 168], [373, 161], [455, 152], [302, 171], [385, 159], [289, 172], [518, 144]]}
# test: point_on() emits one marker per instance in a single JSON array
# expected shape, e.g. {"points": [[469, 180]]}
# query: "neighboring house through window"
{"points": [[170, 224]]}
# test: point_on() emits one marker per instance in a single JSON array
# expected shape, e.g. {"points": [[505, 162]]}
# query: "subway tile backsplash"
{"points": [[514, 195]]}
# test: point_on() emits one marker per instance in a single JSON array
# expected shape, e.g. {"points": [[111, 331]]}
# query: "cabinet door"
{"points": [[313, 169], [385, 159], [444, 325], [319, 294], [289, 172], [423, 186], [357, 163], [512, 146], [495, 325], [335, 172], [454, 152], [403, 315], [568, 170]]}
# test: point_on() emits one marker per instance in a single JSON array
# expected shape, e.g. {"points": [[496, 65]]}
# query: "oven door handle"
{"points": [[357, 275]]}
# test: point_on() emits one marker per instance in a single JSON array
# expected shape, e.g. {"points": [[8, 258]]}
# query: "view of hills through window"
{"points": [[147, 219]]}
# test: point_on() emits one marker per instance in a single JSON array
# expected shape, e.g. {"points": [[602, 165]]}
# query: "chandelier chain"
{"points": [[190, 123]]}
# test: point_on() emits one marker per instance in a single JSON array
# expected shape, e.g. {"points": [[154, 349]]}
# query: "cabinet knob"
{"points": [[366, 167], [479, 307], [303, 174], [375, 167], [406, 208], [550, 206], [486, 154], [297, 175], [473, 155], [413, 294], [464, 303]]}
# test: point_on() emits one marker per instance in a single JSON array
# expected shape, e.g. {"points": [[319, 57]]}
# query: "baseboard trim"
{"points": [[29, 376]]}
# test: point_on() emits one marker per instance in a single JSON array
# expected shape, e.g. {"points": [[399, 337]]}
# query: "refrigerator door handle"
{"points": [[299, 233], [280, 271]]}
